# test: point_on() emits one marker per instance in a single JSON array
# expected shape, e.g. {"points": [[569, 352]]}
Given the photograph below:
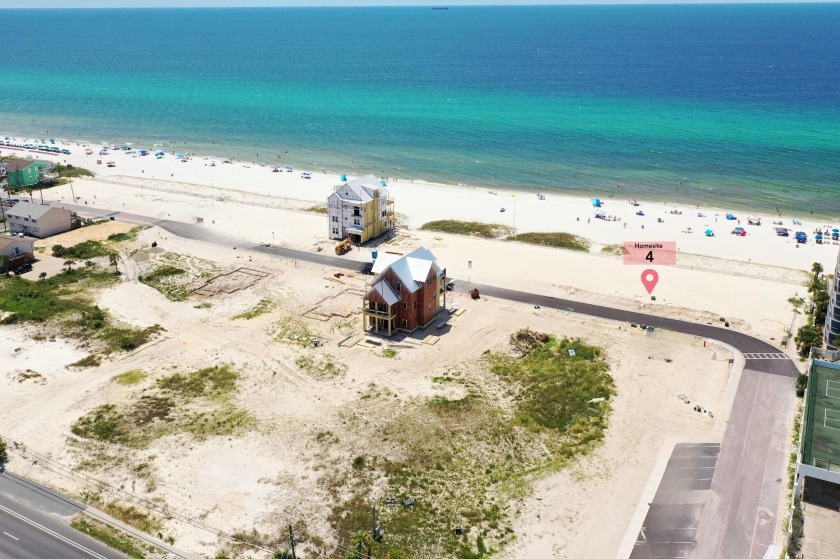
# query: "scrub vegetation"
{"points": [[460, 464], [64, 302], [471, 228], [200, 403]]}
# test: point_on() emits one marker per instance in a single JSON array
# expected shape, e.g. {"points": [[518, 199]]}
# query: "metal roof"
{"points": [[412, 269], [30, 210], [361, 190], [386, 291]]}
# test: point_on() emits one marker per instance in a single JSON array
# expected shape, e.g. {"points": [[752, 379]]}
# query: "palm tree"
{"points": [[113, 258], [796, 303], [42, 276], [817, 268], [69, 264]]}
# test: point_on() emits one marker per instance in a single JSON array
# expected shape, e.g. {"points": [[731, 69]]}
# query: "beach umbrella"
{"points": [[383, 182], [835, 230], [730, 217], [710, 233]]}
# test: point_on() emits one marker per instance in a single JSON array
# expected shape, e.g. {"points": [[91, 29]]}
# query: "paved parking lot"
{"points": [[671, 522]]}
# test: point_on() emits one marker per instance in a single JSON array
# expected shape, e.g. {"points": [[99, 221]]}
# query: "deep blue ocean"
{"points": [[735, 105]]}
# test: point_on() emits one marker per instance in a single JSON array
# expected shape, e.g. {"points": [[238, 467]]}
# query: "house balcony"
{"points": [[45, 177], [384, 315]]}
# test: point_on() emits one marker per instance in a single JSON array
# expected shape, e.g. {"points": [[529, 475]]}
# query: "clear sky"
{"points": [[264, 3]]}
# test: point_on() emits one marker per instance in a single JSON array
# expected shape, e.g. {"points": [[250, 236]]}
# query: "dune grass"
{"points": [[264, 306], [82, 251], [555, 240], [471, 228], [198, 402], [468, 460], [135, 376], [615, 250], [110, 536], [63, 301]]}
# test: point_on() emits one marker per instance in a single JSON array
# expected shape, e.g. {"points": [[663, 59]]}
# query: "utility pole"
{"points": [[4, 184], [377, 532], [292, 541], [71, 190]]}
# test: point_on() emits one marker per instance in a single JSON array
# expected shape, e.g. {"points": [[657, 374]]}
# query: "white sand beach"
{"points": [[242, 199]]}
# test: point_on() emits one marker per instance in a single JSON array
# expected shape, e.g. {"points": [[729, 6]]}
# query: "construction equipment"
{"points": [[344, 247]]}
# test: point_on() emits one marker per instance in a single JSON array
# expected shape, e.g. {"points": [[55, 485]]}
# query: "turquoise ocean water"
{"points": [[731, 105]]}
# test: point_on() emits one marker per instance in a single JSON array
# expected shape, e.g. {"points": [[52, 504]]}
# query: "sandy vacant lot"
{"points": [[314, 409]]}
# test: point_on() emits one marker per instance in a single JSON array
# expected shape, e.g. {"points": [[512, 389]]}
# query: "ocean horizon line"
{"points": [[307, 6]]}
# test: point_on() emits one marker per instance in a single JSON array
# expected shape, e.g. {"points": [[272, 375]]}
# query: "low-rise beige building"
{"points": [[39, 220]]}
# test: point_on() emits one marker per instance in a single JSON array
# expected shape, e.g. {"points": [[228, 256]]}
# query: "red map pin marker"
{"points": [[650, 278]]}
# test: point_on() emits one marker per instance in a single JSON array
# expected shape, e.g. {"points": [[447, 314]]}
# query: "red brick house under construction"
{"points": [[407, 293]]}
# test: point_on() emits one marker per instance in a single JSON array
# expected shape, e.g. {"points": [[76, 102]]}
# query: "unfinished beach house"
{"points": [[407, 292], [360, 209]]}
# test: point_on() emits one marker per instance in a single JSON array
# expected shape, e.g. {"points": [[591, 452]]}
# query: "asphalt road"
{"points": [[34, 524], [739, 519]]}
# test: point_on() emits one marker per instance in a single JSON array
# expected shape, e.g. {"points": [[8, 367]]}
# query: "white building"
{"points": [[16, 246], [361, 209], [39, 220]]}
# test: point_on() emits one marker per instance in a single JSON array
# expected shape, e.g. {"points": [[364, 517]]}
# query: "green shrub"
{"points": [[801, 385], [82, 251]]}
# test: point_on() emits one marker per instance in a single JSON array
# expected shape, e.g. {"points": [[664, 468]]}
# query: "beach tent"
{"points": [[343, 178], [596, 202], [383, 182], [710, 233], [640, 212], [818, 238], [782, 232], [730, 217], [753, 220]]}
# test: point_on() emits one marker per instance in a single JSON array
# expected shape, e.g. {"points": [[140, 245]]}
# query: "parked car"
{"points": [[22, 269], [368, 268]]}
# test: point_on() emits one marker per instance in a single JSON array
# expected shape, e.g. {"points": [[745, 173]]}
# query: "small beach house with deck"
{"points": [[407, 293], [22, 173], [361, 209]]}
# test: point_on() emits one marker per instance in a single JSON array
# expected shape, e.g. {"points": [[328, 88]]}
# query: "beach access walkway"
{"points": [[737, 515]]}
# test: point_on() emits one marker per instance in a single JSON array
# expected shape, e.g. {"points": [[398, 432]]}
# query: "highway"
{"points": [[34, 524], [738, 516]]}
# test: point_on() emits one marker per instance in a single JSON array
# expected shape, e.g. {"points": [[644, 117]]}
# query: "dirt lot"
{"points": [[98, 232], [311, 411]]}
